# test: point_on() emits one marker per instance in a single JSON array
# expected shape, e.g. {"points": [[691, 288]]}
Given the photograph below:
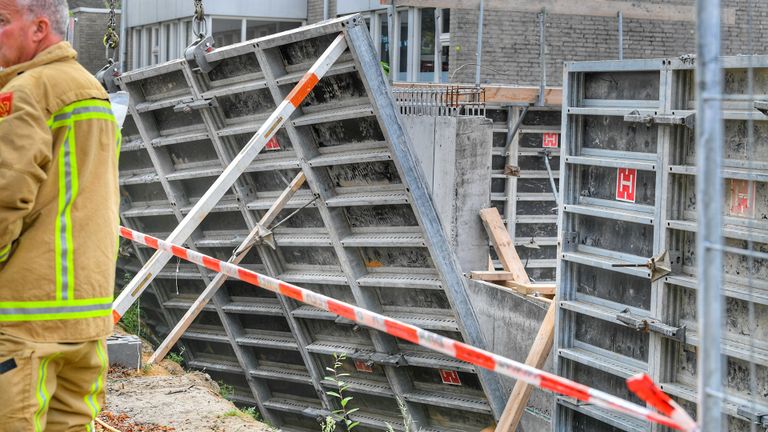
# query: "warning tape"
{"points": [[452, 348]]}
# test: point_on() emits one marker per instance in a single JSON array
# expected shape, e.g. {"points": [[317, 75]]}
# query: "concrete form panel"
{"points": [[366, 230], [626, 120]]}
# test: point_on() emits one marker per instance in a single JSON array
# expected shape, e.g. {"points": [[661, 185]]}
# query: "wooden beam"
{"points": [[507, 279], [601, 8], [503, 245], [491, 275], [529, 288], [537, 356]]}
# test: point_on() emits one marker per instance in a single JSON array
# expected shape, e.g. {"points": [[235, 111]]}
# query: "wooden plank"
{"points": [[503, 244], [602, 8], [537, 356], [491, 275], [220, 278], [528, 288], [507, 279]]}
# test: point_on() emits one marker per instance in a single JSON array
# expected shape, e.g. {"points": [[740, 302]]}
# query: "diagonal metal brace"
{"points": [[547, 154]]}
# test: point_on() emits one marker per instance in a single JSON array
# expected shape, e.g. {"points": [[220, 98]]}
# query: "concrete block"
{"points": [[124, 351]]}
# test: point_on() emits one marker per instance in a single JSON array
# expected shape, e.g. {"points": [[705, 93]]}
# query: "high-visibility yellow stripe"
{"points": [[43, 398], [69, 187], [55, 316], [80, 117], [55, 303], [5, 252], [91, 399], [64, 245]]}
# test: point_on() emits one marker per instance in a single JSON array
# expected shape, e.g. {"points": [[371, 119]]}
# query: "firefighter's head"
{"points": [[28, 27]]}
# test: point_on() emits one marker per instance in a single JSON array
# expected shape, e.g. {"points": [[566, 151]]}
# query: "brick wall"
{"points": [[315, 10], [511, 40], [89, 34]]}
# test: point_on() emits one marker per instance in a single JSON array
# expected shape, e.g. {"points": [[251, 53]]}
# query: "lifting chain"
{"points": [[199, 24], [111, 38]]}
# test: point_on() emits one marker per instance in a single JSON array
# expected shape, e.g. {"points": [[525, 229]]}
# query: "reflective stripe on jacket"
{"points": [[59, 144]]}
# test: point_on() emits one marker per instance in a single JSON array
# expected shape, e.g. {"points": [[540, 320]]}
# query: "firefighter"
{"points": [[58, 224]]}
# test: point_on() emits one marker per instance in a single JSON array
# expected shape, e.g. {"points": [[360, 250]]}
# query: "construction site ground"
{"points": [[165, 397]]}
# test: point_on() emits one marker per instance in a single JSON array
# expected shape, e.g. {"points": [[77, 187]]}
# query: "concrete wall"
{"points": [[511, 40], [455, 155], [509, 322]]}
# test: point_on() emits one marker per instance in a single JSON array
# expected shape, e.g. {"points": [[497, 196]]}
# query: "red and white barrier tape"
{"points": [[433, 341], [643, 386]]}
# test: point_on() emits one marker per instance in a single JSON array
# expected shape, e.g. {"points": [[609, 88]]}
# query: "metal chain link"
{"points": [[111, 38], [199, 24]]}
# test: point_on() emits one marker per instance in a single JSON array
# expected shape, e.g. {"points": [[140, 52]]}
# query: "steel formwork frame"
{"points": [[639, 116], [521, 185], [183, 135]]}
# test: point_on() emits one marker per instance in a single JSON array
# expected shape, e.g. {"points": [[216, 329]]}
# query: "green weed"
{"points": [[340, 415]]}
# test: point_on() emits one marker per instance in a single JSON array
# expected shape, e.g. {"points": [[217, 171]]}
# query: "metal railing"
{"points": [[448, 101]]}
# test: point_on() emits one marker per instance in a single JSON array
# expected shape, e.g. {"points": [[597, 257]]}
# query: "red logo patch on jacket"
{"points": [[6, 104]]}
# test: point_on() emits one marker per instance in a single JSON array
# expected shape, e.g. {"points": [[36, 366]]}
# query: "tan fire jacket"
{"points": [[59, 200]]}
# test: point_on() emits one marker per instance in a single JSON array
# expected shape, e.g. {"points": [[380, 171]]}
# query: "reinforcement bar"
{"points": [[455, 349]]}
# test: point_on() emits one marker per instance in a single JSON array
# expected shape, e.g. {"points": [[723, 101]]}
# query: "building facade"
{"points": [[439, 43], [87, 24]]}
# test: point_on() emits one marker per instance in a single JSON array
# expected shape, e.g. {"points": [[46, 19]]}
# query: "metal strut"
{"points": [[547, 154]]}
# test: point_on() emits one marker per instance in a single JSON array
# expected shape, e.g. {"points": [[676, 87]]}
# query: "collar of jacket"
{"points": [[55, 53]]}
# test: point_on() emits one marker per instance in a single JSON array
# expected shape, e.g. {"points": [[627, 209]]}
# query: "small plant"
{"points": [[225, 390], [339, 415], [410, 426], [147, 368], [131, 321], [328, 424], [251, 412], [175, 357], [231, 413]]}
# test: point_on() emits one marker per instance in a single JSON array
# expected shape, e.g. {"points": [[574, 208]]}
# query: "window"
{"points": [[383, 37], [421, 53], [136, 49], [165, 52], [426, 48], [446, 13], [226, 31], [155, 46], [257, 29], [402, 39]]}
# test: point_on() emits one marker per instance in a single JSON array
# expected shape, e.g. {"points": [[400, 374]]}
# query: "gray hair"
{"points": [[57, 12]]}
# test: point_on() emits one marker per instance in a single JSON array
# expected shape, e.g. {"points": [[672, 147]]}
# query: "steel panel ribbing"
{"points": [[628, 123]]}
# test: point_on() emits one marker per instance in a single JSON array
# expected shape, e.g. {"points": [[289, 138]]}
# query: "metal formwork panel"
{"points": [[628, 191], [366, 232], [522, 187]]}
